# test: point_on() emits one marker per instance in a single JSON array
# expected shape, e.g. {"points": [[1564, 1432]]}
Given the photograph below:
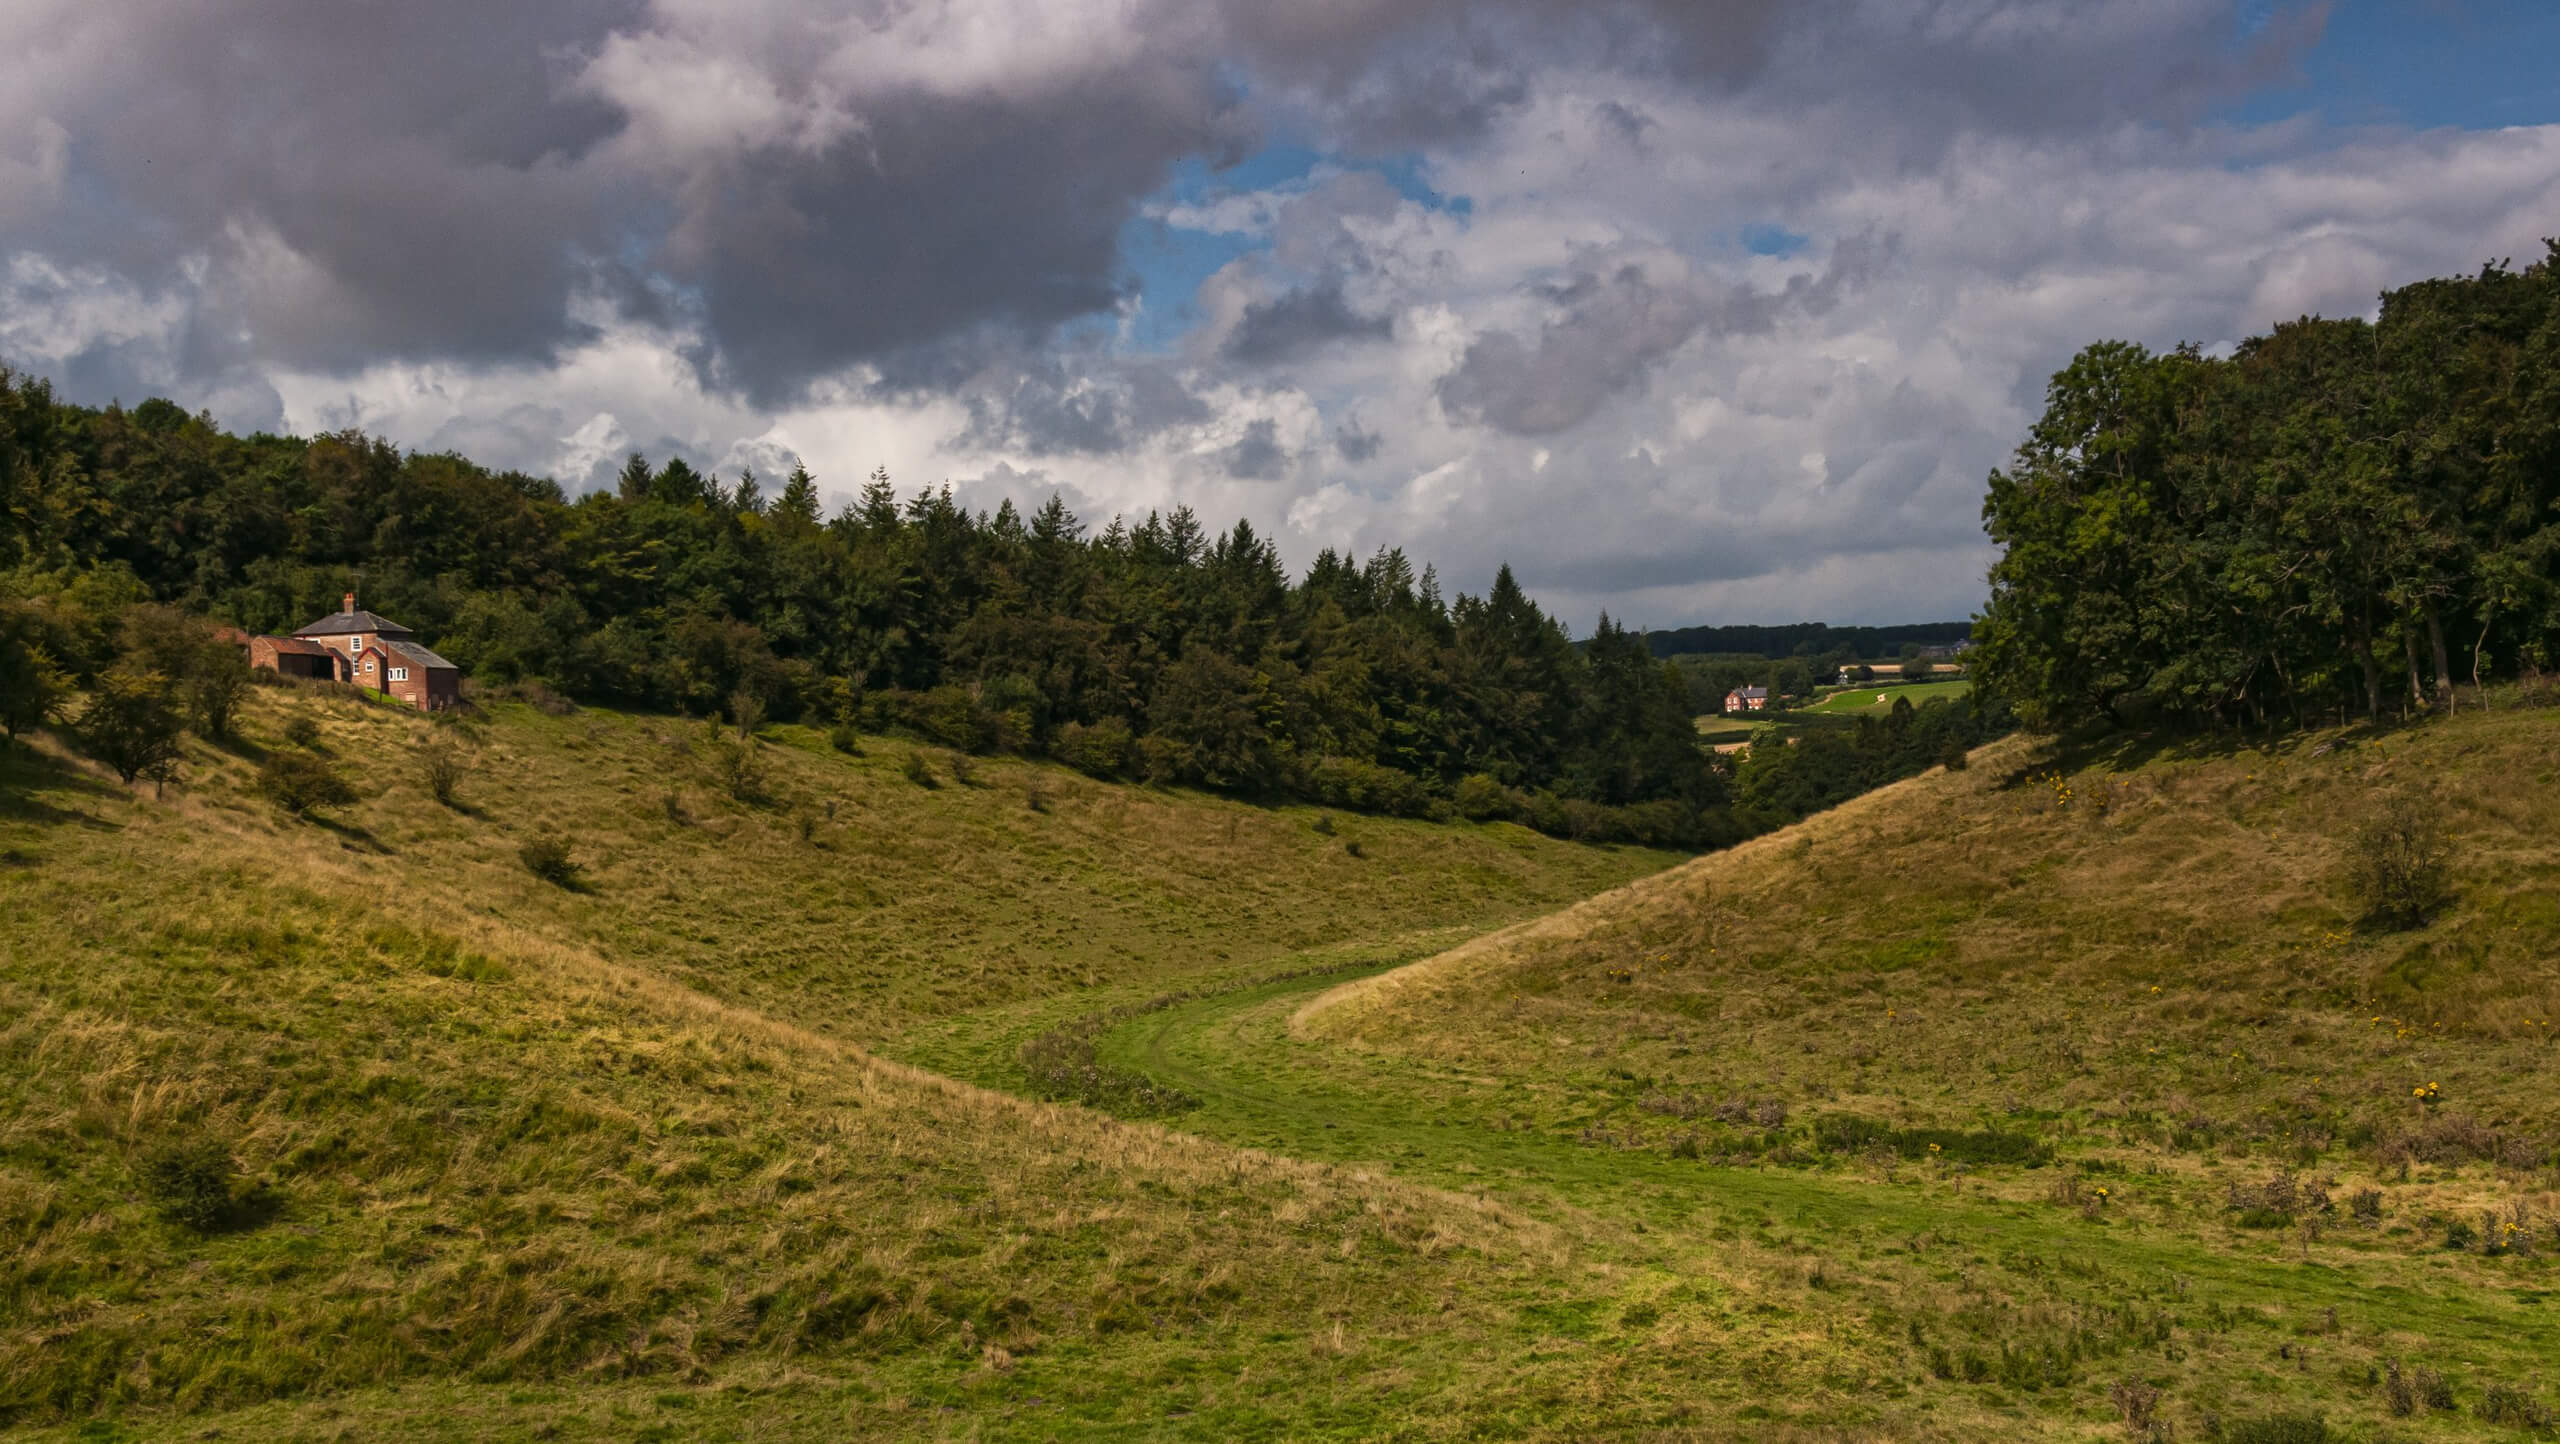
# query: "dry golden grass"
{"points": [[491, 1130]]}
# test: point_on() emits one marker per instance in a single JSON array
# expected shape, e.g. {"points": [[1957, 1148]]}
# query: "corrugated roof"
{"points": [[412, 652], [339, 624]]}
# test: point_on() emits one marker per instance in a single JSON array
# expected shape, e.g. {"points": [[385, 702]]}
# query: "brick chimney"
{"points": [[351, 603]]}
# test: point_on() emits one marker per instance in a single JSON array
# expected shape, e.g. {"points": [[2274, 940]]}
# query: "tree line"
{"points": [[1153, 650], [2340, 518], [1812, 640]]}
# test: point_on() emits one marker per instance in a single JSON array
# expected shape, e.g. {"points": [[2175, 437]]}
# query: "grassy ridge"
{"points": [[547, 1154], [2144, 964]]}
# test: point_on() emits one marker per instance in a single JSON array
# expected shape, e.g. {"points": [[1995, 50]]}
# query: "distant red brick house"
{"points": [[363, 650], [1747, 699]]}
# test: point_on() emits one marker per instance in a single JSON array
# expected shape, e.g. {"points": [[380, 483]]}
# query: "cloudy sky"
{"points": [[1695, 310]]}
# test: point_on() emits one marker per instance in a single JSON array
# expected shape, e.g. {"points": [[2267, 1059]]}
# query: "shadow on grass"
{"points": [[351, 835], [26, 774], [2126, 749]]}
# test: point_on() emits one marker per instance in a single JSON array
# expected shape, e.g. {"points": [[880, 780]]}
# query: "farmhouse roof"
{"points": [[417, 656], [299, 647], [1760, 692], [340, 624]]}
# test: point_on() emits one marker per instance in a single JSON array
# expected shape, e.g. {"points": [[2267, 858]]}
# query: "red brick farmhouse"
{"points": [[363, 650]]}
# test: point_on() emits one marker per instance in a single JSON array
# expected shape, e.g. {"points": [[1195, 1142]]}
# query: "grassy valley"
{"points": [[515, 1157], [2065, 1095]]}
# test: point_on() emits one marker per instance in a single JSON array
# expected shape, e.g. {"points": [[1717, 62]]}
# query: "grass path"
{"points": [[1786, 1253]]}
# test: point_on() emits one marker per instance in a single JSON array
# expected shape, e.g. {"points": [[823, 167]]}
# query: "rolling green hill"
{"points": [[513, 1157], [2063, 1096], [2110, 1037]]}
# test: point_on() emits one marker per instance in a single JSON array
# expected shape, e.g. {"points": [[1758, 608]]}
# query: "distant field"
{"points": [[1730, 727], [1854, 701]]}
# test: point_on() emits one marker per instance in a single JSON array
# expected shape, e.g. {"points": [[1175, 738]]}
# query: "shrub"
{"points": [[1361, 786], [547, 857], [1035, 796], [746, 712], [916, 770], [2398, 1394], [844, 739], [1954, 755], [1061, 1065], [2139, 1403], [303, 783], [217, 680], [190, 1179], [131, 724], [302, 731], [1099, 749], [33, 685], [963, 771], [2278, 1429], [441, 768], [2400, 864], [1855, 1133], [740, 768], [1482, 799], [2506, 1404]]}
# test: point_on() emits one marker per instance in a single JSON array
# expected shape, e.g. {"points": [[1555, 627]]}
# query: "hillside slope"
{"points": [[544, 1156], [2127, 998]]}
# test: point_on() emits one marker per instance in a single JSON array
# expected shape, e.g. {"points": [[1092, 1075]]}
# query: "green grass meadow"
{"points": [[2067, 1096]]}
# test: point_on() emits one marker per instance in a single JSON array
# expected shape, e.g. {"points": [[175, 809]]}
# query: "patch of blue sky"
{"points": [[1764, 238], [1167, 262], [2422, 64]]}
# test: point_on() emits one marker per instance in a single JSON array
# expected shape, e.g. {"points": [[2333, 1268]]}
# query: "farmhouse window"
{"points": [[399, 674]]}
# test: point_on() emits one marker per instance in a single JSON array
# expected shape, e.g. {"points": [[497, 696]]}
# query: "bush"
{"points": [[302, 731], [2279, 1429], [2506, 1404], [190, 1179], [1482, 799], [1348, 782], [1855, 1133], [1061, 1066], [1100, 749], [303, 783], [441, 768], [216, 683], [33, 685], [916, 770], [132, 724], [963, 771], [547, 857], [2400, 864], [844, 739], [740, 768]]}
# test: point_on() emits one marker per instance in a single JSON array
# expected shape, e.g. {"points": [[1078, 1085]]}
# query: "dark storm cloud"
{"points": [[1298, 322], [1259, 456], [332, 185], [416, 159], [1355, 443]]}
